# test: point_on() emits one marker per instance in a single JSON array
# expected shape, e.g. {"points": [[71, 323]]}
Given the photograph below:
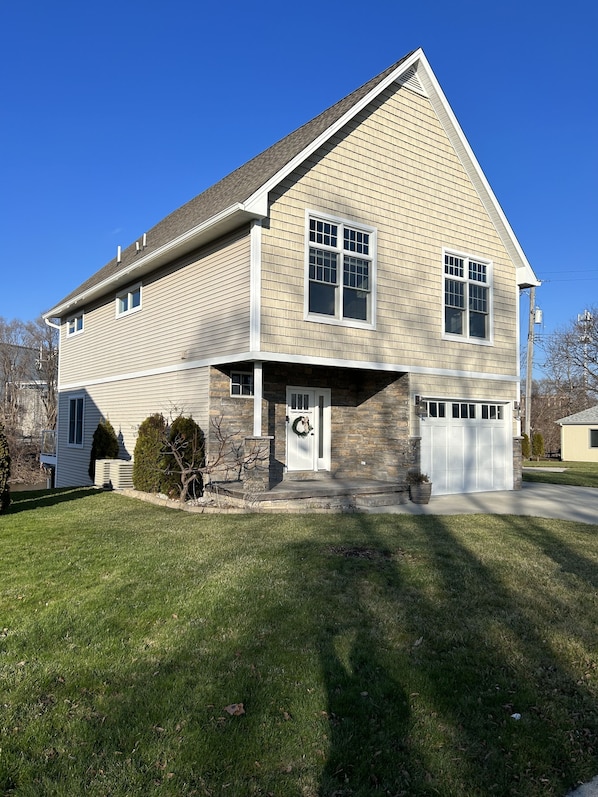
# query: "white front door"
{"points": [[308, 428]]}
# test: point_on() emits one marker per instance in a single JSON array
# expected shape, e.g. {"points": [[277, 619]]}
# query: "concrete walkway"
{"points": [[533, 500]]}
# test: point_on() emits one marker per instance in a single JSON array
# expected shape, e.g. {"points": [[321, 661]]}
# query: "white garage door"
{"points": [[467, 447]]}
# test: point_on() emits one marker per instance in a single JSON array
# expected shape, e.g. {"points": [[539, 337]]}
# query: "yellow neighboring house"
{"points": [[579, 436]]}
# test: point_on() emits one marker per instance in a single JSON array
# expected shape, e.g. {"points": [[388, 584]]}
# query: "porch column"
{"points": [[258, 392]]}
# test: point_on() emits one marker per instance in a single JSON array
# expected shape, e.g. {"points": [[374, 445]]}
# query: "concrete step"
{"points": [[306, 476], [393, 498]]}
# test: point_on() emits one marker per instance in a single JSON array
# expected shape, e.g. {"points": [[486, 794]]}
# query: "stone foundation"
{"points": [[369, 421], [517, 463]]}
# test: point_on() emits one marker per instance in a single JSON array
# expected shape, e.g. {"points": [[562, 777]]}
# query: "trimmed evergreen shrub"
{"points": [[147, 458], [184, 453], [4, 470], [526, 451], [104, 445], [537, 445]]}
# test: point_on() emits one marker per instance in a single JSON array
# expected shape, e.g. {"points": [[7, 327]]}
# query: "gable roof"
{"points": [[243, 194], [589, 416]]}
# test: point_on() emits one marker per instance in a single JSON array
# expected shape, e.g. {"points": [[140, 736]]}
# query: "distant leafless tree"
{"points": [[571, 357], [28, 377]]}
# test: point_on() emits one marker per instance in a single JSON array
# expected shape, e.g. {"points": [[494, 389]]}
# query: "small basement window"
{"points": [[241, 383]]}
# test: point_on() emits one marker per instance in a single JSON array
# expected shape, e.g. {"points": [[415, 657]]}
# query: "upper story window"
{"points": [[128, 301], [74, 325], [340, 271], [467, 297], [241, 383]]}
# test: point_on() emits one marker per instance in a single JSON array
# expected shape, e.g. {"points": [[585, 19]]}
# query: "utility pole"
{"points": [[530, 361], [583, 322]]}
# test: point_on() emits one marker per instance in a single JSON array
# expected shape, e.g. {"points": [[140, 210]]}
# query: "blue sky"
{"points": [[115, 114]]}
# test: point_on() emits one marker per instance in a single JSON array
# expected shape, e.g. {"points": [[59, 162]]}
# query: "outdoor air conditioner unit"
{"points": [[114, 473]]}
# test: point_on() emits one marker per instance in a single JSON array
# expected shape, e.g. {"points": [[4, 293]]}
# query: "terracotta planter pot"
{"points": [[420, 493]]}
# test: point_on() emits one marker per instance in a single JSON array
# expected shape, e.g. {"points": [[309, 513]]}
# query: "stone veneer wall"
{"points": [[517, 463], [369, 417], [233, 415]]}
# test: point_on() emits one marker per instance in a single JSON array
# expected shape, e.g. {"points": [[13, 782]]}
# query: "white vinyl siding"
{"points": [[210, 291], [126, 404]]}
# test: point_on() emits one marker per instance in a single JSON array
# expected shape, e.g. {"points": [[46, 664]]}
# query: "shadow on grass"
{"points": [[25, 500], [441, 720], [424, 650]]}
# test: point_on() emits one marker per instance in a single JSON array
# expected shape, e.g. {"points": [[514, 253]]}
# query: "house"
{"points": [[579, 436], [22, 392], [348, 300]]}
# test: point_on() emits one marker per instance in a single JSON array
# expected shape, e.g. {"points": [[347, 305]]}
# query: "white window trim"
{"points": [[465, 337], [326, 319], [128, 292], [75, 397], [71, 333], [242, 395]]}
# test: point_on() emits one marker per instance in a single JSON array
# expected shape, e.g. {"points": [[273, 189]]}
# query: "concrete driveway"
{"points": [[534, 500]]}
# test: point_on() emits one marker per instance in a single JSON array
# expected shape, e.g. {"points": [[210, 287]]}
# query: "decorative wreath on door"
{"points": [[301, 426]]}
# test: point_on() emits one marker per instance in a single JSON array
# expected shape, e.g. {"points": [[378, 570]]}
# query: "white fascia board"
{"points": [[525, 274], [259, 200], [288, 359], [228, 219]]}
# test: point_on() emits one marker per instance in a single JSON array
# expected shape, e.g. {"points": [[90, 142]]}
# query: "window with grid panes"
{"points": [[241, 383], [341, 263], [466, 297]]}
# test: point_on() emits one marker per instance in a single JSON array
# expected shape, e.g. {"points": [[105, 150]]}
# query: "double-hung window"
{"points": [[467, 297], [128, 301], [75, 428], [340, 273]]}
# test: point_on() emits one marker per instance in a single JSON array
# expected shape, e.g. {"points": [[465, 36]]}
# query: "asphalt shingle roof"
{"points": [[589, 416], [236, 187]]}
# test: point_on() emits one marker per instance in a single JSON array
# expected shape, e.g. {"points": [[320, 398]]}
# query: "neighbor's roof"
{"points": [[242, 195], [585, 417]]}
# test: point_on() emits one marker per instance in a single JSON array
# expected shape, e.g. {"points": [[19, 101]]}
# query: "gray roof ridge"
{"points": [[235, 187], [589, 415]]}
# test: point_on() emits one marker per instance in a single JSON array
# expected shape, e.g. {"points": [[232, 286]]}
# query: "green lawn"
{"points": [[372, 654], [582, 474]]}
